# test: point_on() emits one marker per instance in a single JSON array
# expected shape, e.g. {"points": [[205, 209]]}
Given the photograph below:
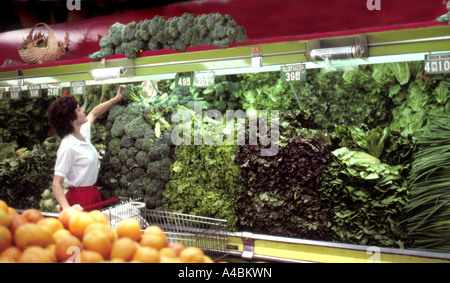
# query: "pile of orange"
{"points": [[86, 237]]}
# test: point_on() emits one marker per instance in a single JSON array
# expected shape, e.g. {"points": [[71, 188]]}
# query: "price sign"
{"points": [[183, 80], [437, 64], [204, 80], [78, 88], [2, 93], [14, 93], [294, 73], [54, 90], [34, 91]]}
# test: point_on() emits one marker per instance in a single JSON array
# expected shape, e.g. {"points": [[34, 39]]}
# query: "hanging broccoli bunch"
{"points": [[176, 33]]}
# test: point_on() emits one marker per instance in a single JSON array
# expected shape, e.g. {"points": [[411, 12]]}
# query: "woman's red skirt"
{"points": [[84, 196]]}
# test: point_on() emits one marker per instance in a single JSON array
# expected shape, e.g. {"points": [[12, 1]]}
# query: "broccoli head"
{"points": [[128, 32], [137, 127], [142, 32]]}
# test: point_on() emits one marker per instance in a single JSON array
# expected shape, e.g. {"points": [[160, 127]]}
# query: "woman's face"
{"points": [[81, 117]]}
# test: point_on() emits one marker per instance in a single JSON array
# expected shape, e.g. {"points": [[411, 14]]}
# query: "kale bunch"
{"points": [[176, 33]]}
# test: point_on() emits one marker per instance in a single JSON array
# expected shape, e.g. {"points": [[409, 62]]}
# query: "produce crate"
{"points": [[208, 234]]}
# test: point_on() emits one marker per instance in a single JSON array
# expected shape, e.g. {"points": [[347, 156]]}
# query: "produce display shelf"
{"points": [[235, 59], [267, 248]]}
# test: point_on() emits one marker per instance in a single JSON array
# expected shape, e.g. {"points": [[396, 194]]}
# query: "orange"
{"points": [[167, 252], [12, 211], [166, 259], [153, 240], [16, 222], [146, 255], [60, 233], [117, 260], [5, 219], [98, 241], [192, 255], [123, 248], [207, 259], [99, 216], [5, 238], [35, 254], [129, 228], [3, 206], [67, 247], [65, 216], [153, 229], [104, 227], [177, 247], [79, 222], [52, 223], [31, 234], [90, 257], [51, 250], [32, 215], [12, 254]]}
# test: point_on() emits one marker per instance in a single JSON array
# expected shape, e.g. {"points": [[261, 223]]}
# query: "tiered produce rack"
{"points": [[406, 44]]}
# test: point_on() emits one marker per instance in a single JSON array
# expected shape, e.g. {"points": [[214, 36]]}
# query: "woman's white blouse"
{"points": [[77, 161]]}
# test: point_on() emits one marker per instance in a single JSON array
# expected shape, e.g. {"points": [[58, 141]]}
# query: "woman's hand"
{"points": [[77, 206], [118, 96]]}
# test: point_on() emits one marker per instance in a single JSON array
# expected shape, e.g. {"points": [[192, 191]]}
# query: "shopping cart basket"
{"points": [[208, 234]]}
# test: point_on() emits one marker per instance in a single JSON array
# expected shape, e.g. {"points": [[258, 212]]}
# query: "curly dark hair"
{"points": [[60, 113]]}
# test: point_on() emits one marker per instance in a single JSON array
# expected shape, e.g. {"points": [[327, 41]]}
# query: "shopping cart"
{"points": [[208, 234]]}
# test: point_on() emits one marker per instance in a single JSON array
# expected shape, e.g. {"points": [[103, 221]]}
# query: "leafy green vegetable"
{"points": [[23, 178], [429, 205], [204, 180], [366, 198], [281, 195]]}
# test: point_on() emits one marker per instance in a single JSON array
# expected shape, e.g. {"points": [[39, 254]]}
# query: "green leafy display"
{"points": [[366, 198], [24, 178], [204, 180], [281, 195], [429, 180]]}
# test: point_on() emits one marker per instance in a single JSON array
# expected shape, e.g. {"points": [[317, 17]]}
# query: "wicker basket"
{"points": [[51, 53]]}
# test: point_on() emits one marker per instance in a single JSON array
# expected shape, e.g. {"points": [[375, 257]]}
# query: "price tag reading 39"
{"points": [[294, 73], [437, 63], [204, 80]]}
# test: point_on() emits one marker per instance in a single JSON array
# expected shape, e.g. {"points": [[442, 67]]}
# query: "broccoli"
{"points": [[115, 164], [185, 21], [114, 146], [131, 152], [127, 141], [118, 129], [123, 155], [132, 48], [106, 41], [115, 111], [128, 32], [142, 31], [140, 158], [154, 44], [153, 170], [156, 25], [137, 128], [115, 33]]}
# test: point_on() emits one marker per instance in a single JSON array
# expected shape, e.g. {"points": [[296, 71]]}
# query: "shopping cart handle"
{"points": [[100, 204]]}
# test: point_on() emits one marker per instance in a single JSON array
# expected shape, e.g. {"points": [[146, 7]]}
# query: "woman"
{"points": [[76, 159]]}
